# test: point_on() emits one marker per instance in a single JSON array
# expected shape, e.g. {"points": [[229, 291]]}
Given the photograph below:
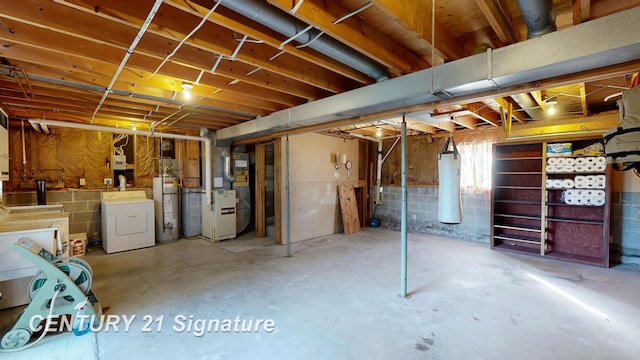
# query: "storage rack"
{"points": [[527, 217]]}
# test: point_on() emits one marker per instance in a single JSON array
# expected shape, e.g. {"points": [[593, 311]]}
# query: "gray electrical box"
{"points": [[119, 162]]}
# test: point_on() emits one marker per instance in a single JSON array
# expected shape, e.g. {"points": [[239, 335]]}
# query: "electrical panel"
{"points": [[119, 162], [241, 169]]}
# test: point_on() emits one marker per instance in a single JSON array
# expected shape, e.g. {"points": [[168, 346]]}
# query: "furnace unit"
{"points": [[222, 224]]}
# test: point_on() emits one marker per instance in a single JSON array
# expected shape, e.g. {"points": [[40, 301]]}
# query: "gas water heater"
{"points": [[165, 196]]}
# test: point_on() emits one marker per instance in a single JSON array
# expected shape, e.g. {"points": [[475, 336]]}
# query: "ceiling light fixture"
{"points": [[551, 103], [186, 90]]}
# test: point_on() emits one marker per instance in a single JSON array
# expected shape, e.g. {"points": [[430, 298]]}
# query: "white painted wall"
{"points": [[315, 207]]}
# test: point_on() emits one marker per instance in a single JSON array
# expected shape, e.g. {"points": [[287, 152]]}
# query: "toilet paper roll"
{"points": [[558, 183], [568, 184], [600, 167], [601, 160], [600, 178], [570, 161], [600, 194], [549, 168], [580, 161], [590, 160], [549, 184], [569, 169], [579, 168], [589, 168], [552, 161], [561, 161]]}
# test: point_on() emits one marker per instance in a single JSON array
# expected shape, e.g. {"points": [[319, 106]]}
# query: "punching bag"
{"points": [[449, 203]]}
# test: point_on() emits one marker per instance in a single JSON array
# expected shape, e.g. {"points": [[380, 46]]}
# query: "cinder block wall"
{"points": [[625, 226], [422, 213], [82, 206]]}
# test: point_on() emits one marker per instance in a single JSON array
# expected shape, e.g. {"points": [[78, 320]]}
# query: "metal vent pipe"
{"points": [[539, 16], [285, 24]]}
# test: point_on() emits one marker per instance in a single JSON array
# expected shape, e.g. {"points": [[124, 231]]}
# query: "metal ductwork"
{"points": [[530, 106], [607, 41], [275, 19], [539, 17]]}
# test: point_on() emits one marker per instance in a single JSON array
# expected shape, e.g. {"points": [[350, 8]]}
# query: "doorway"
{"points": [[268, 191]]}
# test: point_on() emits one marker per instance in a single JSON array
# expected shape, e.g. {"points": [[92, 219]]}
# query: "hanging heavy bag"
{"points": [[449, 202], [622, 143]]}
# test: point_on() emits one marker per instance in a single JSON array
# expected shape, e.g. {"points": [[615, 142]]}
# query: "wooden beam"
{"points": [[416, 17], [356, 33], [416, 125], [446, 126], [505, 104], [270, 38], [581, 11], [498, 16], [583, 100], [593, 126], [470, 122], [163, 35]]}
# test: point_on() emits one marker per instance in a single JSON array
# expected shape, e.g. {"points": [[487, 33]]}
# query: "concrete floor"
{"points": [[337, 298]]}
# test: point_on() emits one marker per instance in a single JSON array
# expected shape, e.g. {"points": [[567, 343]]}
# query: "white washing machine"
{"points": [[127, 221]]}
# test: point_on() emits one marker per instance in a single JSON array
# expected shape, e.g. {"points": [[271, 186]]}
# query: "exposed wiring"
{"points": [[46, 326], [119, 150]]}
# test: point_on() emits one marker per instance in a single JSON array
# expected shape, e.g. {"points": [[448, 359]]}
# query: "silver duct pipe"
{"points": [[267, 15], [530, 106], [539, 16]]}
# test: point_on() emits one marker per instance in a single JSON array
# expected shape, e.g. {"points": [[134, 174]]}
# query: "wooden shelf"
{"points": [[521, 158], [580, 206], [519, 238], [519, 216], [574, 220], [527, 202], [527, 217], [518, 187], [518, 172], [520, 227]]}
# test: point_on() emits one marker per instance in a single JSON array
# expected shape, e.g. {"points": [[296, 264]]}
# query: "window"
{"points": [[477, 160]]}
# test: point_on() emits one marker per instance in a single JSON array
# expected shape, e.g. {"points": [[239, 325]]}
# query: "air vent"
{"points": [[443, 94]]}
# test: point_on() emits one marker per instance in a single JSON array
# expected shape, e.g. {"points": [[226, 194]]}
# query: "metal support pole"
{"points": [[287, 201], [403, 216]]}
